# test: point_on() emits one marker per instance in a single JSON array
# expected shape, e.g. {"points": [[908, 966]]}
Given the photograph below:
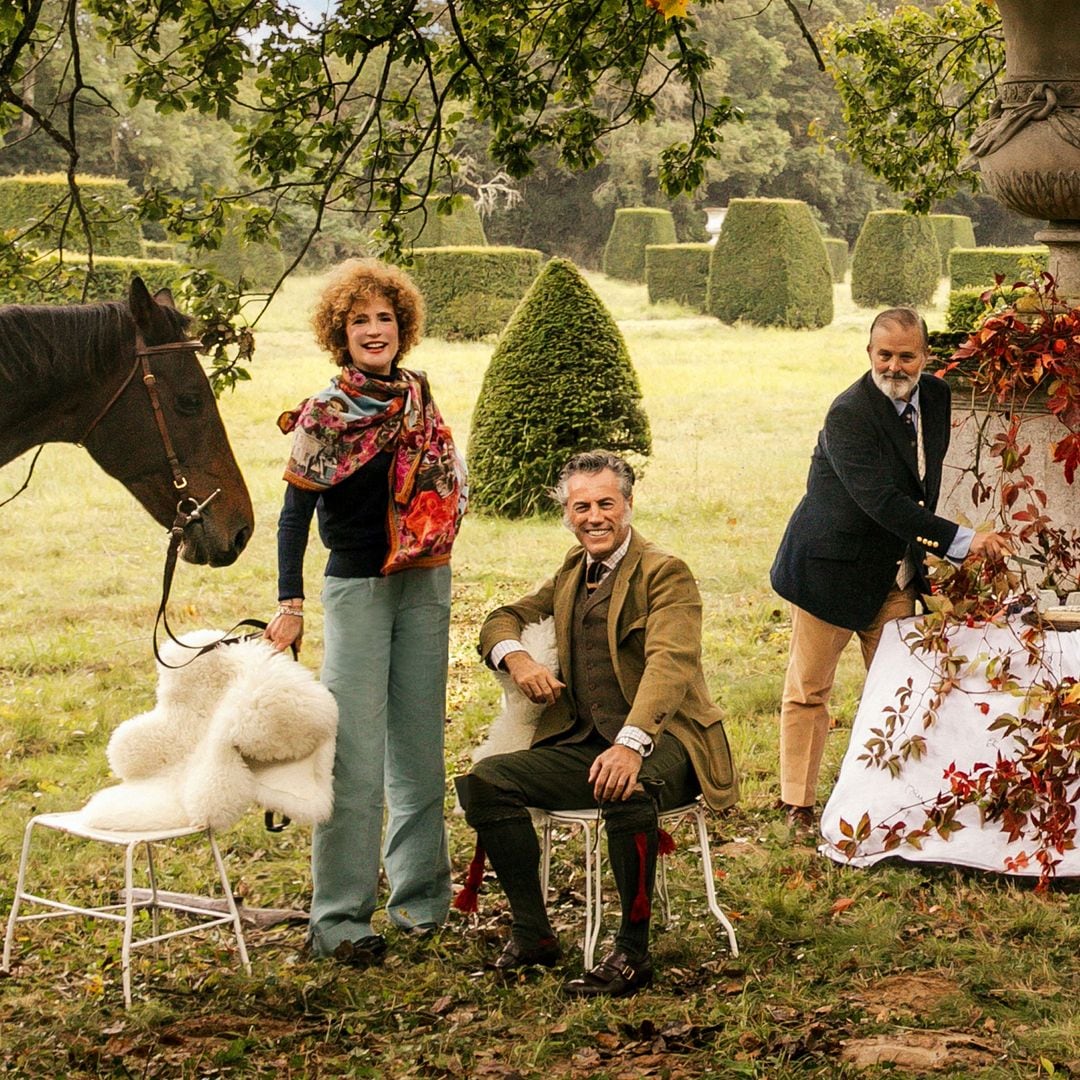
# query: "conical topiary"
{"points": [[560, 380]]}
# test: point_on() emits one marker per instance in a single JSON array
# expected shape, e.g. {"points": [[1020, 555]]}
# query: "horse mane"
{"points": [[76, 343]]}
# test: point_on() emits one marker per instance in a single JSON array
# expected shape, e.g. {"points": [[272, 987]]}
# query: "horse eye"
{"points": [[188, 404]]}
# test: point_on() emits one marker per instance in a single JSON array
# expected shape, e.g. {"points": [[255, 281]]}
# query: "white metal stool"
{"points": [[592, 826], [71, 824]]}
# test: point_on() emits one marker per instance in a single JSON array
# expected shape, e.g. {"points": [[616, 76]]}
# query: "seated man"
{"points": [[629, 728]]}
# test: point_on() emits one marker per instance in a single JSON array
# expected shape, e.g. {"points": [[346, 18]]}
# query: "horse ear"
{"points": [[164, 298], [144, 309]]}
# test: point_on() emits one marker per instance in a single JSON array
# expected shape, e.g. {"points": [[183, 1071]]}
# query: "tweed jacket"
{"points": [[865, 506], [654, 633]]}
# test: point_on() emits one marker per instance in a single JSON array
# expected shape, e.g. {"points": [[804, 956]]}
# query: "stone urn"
{"points": [[1028, 152], [714, 220]]}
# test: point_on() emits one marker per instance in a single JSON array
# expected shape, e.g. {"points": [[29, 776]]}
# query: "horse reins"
{"points": [[184, 516]]}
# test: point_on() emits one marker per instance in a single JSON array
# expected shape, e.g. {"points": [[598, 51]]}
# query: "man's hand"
{"points": [[991, 545], [614, 773], [534, 680]]}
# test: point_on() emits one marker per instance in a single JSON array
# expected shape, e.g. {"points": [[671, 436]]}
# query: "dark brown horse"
{"points": [[90, 374]]}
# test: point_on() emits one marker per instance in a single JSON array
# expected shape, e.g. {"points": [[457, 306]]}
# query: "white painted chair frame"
{"points": [[592, 826], [70, 824]]}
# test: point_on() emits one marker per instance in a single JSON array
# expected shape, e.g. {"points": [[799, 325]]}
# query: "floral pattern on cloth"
{"points": [[341, 428]]}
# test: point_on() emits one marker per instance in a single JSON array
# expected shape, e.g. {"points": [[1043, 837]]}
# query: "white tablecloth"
{"points": [[960, 736]]}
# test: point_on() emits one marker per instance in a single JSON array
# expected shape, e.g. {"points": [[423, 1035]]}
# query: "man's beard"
{"points": [[896, 387]]}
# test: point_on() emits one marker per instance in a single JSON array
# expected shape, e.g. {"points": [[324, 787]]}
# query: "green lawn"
{"points": [[828, 955]]}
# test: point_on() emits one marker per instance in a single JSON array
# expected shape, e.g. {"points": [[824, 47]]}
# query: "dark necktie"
{"points": [[908, 416], [594, 574]]}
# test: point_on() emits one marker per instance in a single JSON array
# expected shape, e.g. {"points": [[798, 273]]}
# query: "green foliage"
{"points": [[951, 231], [461, 227], [979, 266], [258, 264], [967, 308], [769, 266], [560, 380], [678, 272], [353, 108], [33, 210], [631, 232], [915, 83], [895, 261], [70, 282], [470, 292], [838, 257], [159, 249]]}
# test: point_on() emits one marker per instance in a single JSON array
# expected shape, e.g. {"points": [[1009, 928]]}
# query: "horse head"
{"points": [[162, 437]]}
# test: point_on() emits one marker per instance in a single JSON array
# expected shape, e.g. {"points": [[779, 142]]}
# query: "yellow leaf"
{"points": [[670, 9]]}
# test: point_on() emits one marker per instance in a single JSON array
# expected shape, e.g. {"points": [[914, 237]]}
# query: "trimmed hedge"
{"points": [[967, 310], [837, 251], [115, 229], [769, 266], [470, 292], [632, 231], [159, 249], [678, 272], [260, 264], [951, 231], [895, 262], [460, 228], [560, 380], [977, 266], [110, 280]]}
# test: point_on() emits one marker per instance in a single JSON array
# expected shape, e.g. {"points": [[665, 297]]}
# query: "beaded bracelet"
{"points": [[283, 610]]}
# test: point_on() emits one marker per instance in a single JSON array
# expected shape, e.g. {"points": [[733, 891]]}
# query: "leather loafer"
{"points": [[515, 956], [614, 976]]}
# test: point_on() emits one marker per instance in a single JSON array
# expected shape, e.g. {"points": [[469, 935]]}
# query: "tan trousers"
{"points": [[804, 713]]}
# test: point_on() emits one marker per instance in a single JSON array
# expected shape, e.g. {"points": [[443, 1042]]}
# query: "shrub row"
{"points": [[461, 227], [678, 272], [470, 292], [895, 262], [951, 231], [769, 266], [63, 283], [633, 230], [26, 199], [977, 266], [838, 257], [967, 309]]}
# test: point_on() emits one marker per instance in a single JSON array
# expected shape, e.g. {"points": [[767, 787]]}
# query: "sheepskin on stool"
{"points": [[514, 727], [242, 725]]}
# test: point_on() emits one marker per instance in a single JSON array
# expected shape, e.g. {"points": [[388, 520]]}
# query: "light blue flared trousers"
{"points": [[386, 657]]}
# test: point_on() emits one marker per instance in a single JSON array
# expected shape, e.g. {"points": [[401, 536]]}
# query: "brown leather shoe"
{"points": [[800, 820], [364, 952], [614, 976], [515, 956]]}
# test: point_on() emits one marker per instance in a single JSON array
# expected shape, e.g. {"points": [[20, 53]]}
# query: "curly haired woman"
{"points": [[373, 458]]}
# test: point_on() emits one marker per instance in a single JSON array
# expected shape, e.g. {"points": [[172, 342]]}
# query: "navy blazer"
{"points": [[865, 507]]}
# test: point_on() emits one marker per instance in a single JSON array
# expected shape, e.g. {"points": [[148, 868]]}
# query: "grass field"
{"points": [[970, 964]]}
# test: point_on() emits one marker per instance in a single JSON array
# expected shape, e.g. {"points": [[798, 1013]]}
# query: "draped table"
{"points": [[959, 737]]}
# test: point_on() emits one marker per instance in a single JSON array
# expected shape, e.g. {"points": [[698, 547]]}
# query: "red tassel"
{"points": [[640, 910], [666, 843], [466, 900]]}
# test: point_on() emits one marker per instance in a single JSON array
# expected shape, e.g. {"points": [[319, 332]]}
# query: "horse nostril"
{"points": [[241, 539]]}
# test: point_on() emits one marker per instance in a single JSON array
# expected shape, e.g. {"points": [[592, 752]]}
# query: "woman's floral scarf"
{"points": [[339, 429]]}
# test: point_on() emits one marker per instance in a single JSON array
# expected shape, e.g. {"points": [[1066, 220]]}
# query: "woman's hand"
{"points": [[286, 628]]}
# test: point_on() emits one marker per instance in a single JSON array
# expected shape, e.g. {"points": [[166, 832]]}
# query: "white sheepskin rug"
{"points": [[240, 726], [514, 727]]}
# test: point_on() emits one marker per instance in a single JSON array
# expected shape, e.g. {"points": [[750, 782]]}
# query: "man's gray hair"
{"points": [[906, 317], [592, 462]]}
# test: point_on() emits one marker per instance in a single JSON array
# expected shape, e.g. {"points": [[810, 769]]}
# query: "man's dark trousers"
{"points": [[499, 789]]}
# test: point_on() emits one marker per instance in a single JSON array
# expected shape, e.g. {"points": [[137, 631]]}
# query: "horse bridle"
{"points": [[184, 515]]}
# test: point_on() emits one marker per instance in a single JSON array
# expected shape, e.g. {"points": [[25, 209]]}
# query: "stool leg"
{"points": [[592, 894], [710, 883], [153, 892], [662, 887], [238, 929], [129, 919], [545, 858], [16, 900]]}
